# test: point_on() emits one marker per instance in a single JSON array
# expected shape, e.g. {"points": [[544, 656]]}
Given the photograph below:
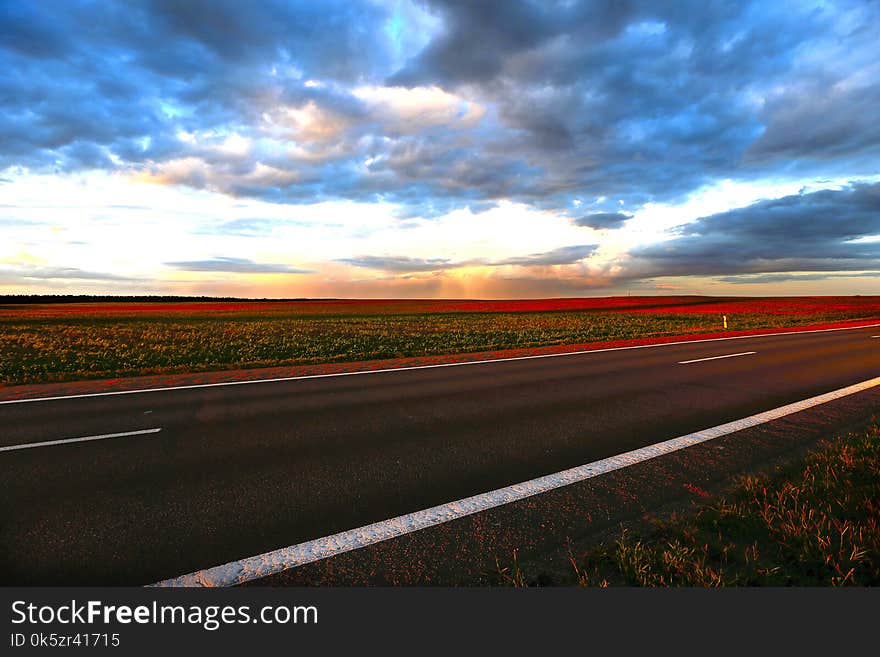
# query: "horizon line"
{"points": [[31, 298]]}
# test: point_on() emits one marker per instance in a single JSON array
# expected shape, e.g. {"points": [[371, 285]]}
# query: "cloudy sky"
{"points": [[439, 148]]}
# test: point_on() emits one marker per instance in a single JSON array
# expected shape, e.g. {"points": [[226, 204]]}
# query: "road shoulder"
{"points": [[545, 529]]}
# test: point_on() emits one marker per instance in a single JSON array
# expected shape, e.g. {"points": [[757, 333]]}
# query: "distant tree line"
{"points": [[102, 298]]}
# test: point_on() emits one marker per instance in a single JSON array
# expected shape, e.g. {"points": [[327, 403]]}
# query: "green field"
{"points": [[41, 343]]}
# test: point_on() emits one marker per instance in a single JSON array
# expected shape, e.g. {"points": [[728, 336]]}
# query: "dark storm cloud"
{"points": [[649, 101], [114, 75], [637, 101], [808, 232], [820, 117], [603, 220], [477, 39], [565, 255], [28, 274], [401, 264], [786, 278], [236, 266]]}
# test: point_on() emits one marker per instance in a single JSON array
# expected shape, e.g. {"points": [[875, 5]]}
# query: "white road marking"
{"points": [[700, 360], [875, 336], [419, 367], [65, 441], [270, 563]]}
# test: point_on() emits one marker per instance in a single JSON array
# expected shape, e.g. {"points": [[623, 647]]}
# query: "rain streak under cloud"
{"points": [[439, 148]]}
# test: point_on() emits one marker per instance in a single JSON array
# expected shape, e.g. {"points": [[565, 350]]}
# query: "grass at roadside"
{"points": [[63, 342], [816, 523]]}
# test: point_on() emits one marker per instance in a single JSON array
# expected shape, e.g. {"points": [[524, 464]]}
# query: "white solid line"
{"points": [[700, 360], [64, 441], [420, 367], [270, 563]]}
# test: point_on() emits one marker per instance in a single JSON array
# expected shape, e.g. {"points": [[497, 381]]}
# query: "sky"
{"points": [[439, 148]]}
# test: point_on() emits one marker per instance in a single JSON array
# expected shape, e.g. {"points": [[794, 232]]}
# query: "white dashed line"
{"points": [[65, 441], [271, 563], [700, 360]]}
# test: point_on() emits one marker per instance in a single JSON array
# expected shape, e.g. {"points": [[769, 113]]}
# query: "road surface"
{"points": [[169, 482]]}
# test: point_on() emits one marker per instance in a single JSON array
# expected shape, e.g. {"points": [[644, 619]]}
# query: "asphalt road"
{"points": [[239, 470]]}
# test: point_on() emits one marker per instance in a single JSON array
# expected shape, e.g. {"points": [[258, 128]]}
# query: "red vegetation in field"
{"points": [[169, 380], [336, 306], [696, 490], [181, 307], [641, 304], [177, 308], [776, 306], [592, 303], [58, 341]]}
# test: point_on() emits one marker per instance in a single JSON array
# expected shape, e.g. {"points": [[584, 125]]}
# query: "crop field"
{"points": [[42, 342]]}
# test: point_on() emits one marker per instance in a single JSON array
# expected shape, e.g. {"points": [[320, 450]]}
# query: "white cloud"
{"points": [[308, 123], [410, 110], [112, 223]]}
